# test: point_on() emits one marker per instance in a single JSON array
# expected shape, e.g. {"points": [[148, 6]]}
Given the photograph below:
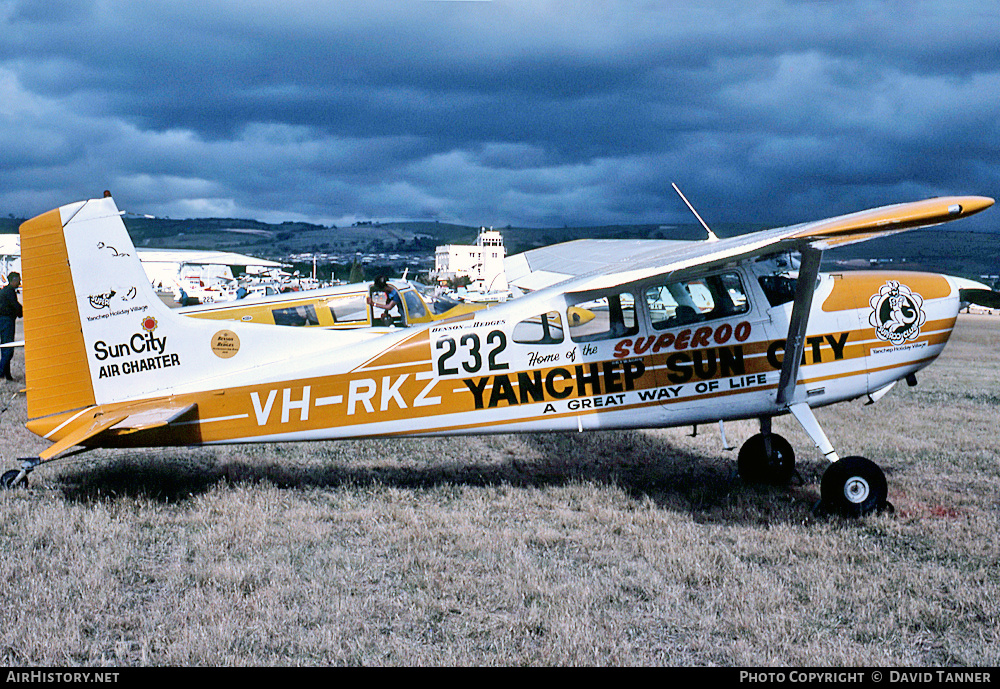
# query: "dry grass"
{"points": [[638, 548]]}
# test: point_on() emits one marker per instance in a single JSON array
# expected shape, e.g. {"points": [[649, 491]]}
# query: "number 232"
{"points": [[472, 358]]}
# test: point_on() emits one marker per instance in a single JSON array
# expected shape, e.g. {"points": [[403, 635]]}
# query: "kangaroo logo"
{"points": [[897, 313], [114, 251], [101, 301]]}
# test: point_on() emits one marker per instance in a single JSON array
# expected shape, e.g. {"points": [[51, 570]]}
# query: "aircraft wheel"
{"points": [[854, 487], [766, 458], [7, 480]]}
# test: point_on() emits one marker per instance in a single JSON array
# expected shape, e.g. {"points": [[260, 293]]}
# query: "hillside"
{"points": [[969, 254]]}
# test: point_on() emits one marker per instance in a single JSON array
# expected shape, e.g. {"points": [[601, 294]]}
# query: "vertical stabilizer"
{"points": [[96, 333], [94, 329]]}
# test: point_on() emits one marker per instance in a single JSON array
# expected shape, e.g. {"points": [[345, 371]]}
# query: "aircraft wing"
{"points": [[203, 257], [597, 264], [549, 265]]}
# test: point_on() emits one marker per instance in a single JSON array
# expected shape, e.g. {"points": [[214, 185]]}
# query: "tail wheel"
{"points": [[8, 477], [766, 458], [854, 487]]}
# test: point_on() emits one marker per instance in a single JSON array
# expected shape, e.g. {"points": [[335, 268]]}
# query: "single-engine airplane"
{"points": [[681, 333]]}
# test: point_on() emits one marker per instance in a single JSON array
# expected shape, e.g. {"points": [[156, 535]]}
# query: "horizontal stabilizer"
{"points": [[152, 418], [980, 297], [95, 422], [91, 425]]}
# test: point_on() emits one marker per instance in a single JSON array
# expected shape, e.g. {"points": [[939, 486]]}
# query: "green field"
{"points": [[635, 548]]}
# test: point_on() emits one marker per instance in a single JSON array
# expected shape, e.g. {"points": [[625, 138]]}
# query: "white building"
{"points": [[10, 255], [482, 262]]}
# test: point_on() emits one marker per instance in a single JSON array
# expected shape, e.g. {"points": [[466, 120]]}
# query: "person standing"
{"points": [[391, 300], [10, 311]]}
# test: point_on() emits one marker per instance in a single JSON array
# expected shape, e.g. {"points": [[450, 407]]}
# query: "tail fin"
{"points": [[96, 333], [92, 322]]}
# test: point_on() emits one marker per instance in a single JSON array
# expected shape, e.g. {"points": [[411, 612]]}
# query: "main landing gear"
{"points": [[851, 487], [766, 458]]}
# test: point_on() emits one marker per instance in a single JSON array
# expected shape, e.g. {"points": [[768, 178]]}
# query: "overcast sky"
{"points": [[522, 112]]}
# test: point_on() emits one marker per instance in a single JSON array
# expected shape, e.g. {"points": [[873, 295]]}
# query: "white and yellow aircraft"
{"points": [[683, 333], [344, 307]]}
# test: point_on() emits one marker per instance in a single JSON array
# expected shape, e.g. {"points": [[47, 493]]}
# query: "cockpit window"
{"points": [[349, 309], [779, 289], [778, 277], [674, 304], [296, 315]]}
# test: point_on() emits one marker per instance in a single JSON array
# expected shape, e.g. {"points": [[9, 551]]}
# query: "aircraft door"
{"points": [[706, 342], [606, 371]]}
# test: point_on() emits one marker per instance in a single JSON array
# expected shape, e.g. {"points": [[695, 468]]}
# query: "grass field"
{"points": [[636, 548]]}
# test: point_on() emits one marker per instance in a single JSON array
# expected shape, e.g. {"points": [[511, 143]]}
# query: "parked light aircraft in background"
{"points": [[344, 307], [681, 333]]}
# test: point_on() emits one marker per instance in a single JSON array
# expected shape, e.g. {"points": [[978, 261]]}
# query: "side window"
{"points": [[296, 315], [543, 329], [779, 289], [352, 309], [777, 277], [603, 318], [414, 305], [674, 304]]}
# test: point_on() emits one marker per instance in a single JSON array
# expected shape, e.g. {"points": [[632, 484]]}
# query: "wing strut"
{"points": [[795, 343]]}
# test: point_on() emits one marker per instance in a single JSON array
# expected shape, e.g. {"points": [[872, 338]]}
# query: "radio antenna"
{"points": [[711, 235]]}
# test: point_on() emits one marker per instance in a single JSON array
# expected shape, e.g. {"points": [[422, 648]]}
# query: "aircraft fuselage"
{"points": [[526, 366]]}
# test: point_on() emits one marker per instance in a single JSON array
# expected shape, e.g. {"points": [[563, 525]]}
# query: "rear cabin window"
{"points": [[674, 304], [603, 318], [352, 309], [296, 315], [545, 328]]}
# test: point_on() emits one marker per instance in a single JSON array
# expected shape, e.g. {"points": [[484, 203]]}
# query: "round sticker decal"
{"points": [[225, 344], [897, 313]]}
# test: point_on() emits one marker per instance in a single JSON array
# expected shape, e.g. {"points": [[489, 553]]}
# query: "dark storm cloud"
{"points": [[521, 112]]}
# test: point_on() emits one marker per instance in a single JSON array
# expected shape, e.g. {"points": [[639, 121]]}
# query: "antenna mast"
{"points": [[711, 235]]}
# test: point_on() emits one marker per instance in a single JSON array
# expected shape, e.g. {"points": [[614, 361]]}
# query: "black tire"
{"points": [[854, 487], [7, 479], [766, 458]]}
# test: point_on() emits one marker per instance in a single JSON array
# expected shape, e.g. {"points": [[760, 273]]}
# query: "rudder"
{"points": [[57, 372]]}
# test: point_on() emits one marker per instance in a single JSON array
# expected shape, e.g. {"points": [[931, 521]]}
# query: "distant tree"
{"points": [[357, 272]]}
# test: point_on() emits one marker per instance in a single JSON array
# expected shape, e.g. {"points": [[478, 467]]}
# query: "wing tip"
{"points": [[969, 205]]}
